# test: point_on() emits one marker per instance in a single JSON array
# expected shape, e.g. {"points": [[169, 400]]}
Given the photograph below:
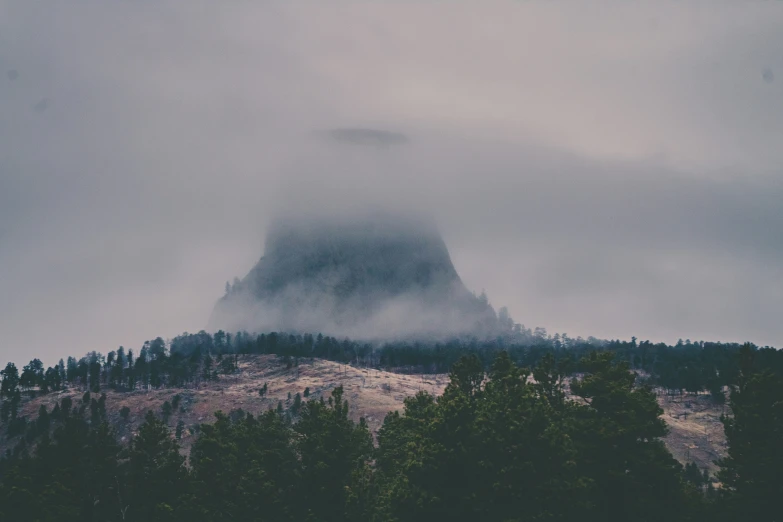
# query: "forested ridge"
{"points": [[554, 429], [188, 359]]}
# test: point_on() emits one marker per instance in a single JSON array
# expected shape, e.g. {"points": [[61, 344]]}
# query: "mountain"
{"points": [[372, 275]]}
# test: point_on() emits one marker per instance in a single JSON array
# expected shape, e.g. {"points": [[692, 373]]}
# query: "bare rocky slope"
{"points": [[696, 433]]}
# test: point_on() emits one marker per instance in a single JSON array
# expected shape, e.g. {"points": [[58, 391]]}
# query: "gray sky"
{"points": [[605, 168]]}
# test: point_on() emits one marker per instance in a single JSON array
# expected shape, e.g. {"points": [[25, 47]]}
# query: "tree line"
{"points": [[190, 359], [503, 443]]}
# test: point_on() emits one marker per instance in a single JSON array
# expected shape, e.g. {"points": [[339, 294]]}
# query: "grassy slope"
{"points": [[371, 394]]}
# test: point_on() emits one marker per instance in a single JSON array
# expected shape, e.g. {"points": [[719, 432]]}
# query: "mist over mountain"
{"points": [[366, 275]]}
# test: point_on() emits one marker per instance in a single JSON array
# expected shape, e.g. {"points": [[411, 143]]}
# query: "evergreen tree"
{"points": [[751, 474], [157, 477], [10, 381], [245, 470], [332, 449], [618, 435], [486, 450], [43, 419], [166, 410]]}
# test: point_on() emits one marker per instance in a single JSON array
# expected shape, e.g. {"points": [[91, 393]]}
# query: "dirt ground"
{"points": [[695, 430]]}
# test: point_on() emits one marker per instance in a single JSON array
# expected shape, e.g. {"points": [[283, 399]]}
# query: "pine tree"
{"points": [[10, 380], [245, 470], [752, 487], [166, 411], [618, 435], [332, 449], [157, 477], [43, 419]]}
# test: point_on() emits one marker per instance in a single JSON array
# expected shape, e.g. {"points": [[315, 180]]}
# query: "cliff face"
{"points": [[374, 276]]}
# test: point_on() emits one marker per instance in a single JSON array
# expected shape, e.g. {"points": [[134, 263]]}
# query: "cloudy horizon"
{"points": [[610, 170]]}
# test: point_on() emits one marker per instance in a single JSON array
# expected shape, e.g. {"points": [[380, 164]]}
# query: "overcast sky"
{"points": [[607, 169]]}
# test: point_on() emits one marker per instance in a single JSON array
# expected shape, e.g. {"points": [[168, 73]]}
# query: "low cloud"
{"points": [[594, 188]]}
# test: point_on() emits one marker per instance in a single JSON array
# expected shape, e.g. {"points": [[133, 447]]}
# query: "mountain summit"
{"points": [[369, 276]]}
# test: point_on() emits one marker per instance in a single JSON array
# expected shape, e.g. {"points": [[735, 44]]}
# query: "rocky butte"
{"points": [[373, 275]]}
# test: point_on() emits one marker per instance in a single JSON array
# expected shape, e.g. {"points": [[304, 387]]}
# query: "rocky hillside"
{"points": [[695, 430], [371, 394]]}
